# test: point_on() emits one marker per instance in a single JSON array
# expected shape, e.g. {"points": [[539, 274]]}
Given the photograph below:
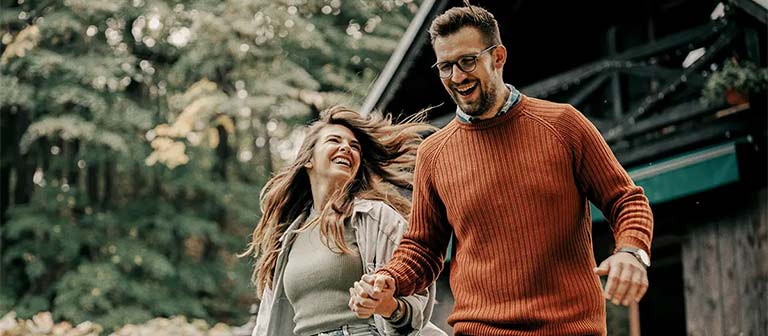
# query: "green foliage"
{"points": [[71, 127], [147, 128], [86, 291], [15, 93]]}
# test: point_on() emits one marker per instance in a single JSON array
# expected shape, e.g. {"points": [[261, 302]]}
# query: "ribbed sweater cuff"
{"points": [[629, 241]]}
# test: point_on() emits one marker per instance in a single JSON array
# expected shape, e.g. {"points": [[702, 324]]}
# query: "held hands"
{"points": [[373, 294], [627, 278]]}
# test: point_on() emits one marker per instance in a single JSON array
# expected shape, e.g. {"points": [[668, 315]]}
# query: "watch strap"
{"points": [[399, 312], [401, 317]]}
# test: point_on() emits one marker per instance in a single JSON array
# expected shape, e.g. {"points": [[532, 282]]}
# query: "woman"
{"points": [[330, 217]]}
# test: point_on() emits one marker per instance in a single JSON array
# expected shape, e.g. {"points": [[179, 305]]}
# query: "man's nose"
{"points": [[458, 75]]}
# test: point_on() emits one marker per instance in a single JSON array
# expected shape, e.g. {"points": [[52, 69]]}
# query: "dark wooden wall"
{"points": [[725, 268]]}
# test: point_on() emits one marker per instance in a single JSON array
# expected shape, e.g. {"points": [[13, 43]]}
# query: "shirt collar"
{"points": [[512, 100]]}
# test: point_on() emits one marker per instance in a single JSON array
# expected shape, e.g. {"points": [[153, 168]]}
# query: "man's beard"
{"points": [[484, 101]]}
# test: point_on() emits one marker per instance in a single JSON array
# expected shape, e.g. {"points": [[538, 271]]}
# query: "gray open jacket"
{"points": [[378, 229]]}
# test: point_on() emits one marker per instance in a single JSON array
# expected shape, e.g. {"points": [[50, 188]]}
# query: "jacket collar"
{"points": [[362, 205], [293, 226]]}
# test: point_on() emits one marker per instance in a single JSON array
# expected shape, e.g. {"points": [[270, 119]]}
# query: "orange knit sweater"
{"points": [[515, 189]]}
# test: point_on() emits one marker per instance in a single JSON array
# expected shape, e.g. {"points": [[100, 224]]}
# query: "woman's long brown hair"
{"points": [[388, 153]]}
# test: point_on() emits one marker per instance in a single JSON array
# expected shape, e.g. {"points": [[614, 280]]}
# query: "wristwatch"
{"points": [[639, 254], [399, 312]]}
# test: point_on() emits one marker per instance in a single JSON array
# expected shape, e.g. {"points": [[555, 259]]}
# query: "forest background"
{"points": [[136, 135]]}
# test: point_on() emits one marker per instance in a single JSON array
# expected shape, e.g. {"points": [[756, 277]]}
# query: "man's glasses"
{"points": [[466, 63]]}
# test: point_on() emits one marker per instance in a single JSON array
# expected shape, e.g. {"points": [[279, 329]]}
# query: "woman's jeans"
{"points": [[352, 330]]}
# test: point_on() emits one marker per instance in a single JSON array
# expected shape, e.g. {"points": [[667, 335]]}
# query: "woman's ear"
{"points": [[308, 165]]}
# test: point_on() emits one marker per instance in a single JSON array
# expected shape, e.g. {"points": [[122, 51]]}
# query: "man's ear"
{"points": [[500, 57]]}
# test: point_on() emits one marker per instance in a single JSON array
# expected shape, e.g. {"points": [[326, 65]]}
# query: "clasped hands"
{"points": [[373, 294]]}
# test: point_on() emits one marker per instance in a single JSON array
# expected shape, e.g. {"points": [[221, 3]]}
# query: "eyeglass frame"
{"points": [[456, 62]]}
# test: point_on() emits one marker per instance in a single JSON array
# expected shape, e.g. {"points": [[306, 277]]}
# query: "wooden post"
{"points": [[725, 270], [634, 319], [615, 84]]}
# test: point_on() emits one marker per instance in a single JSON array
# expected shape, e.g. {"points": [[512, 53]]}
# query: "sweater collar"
{"points": [[512, 100], [511, 114]]}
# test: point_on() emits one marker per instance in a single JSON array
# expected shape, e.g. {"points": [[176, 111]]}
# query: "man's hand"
{"points": [[373, 294], [627, 278]]}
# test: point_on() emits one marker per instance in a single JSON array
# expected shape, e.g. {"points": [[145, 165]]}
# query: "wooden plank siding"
{"points": [[725, 264]]}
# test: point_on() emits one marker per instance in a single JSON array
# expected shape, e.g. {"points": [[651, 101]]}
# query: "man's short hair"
{"points": [[468, 16]]}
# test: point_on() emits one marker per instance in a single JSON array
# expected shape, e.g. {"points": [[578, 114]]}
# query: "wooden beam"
{"points": [[752, 45], [552, 85], [407, 50], [555, 84], [588, 89], [615, 86], [708, 134], [670, 87], [674, 115], [699, 33], [752, 8], [651, 71]]}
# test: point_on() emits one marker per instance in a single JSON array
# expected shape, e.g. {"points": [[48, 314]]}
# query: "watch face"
{"points": [[639, 254], [644, 257]]}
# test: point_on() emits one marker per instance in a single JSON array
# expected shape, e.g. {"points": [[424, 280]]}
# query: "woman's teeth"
{"points": [[342, 161]]}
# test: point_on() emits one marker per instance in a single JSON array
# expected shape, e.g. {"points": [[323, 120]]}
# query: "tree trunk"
{"points": [[24, 183], [8, 146], [223, 152], [266, 150], [73, 171], [109, 176], [92, 183], [5, 194]]}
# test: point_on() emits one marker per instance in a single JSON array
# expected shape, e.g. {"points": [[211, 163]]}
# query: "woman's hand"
{"points": [[374, 294]]}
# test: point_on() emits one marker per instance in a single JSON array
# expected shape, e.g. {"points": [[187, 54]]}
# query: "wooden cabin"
{"points": [[637, 70]]}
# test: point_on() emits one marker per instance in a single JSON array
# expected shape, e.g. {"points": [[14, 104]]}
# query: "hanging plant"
{"points": [[735, 82]]}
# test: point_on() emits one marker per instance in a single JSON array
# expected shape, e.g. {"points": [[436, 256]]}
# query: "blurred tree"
{"points": [[137, 134]]}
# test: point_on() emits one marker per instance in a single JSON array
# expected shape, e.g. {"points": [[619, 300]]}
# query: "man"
{"points": [[511, 176]]}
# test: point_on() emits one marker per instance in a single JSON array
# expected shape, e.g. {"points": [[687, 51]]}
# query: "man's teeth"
{"points": [[465, 88]]}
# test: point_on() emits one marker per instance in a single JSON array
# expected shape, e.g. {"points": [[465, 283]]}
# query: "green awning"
{"points": [[686, 174]]}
